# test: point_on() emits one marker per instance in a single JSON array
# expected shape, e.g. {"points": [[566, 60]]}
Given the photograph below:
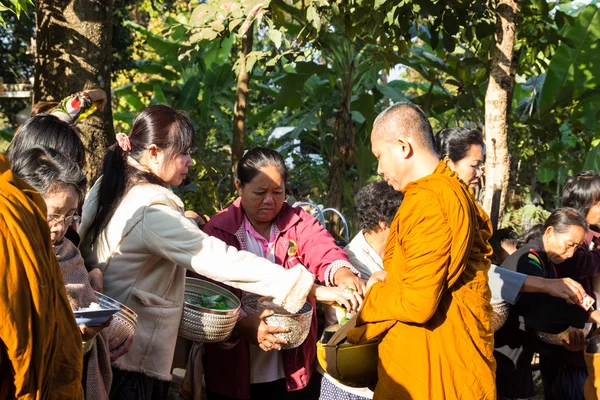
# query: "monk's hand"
{"points": [[577, 341], [345, 279], [96, 279], [337, 296], [117, 351], [565, 288], [258, 332], [379, 276], [89, 332]]}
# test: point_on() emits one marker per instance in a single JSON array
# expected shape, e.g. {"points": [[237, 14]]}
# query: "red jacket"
{"points": [[227, 371]]}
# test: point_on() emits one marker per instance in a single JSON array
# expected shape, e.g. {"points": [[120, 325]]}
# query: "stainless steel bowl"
{"points": [[124, 322], [298, 324], [559, 338], [499, 314]]}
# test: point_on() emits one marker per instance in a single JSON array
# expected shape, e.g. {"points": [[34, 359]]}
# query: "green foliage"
{"points": [[17, 7]]}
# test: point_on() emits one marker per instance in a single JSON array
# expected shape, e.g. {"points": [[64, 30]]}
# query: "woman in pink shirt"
{"points": [[260, 222]]}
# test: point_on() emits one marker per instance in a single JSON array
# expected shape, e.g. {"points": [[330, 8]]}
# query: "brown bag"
{"points": [[352, 364]]}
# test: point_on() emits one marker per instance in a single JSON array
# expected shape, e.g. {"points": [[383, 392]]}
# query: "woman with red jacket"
{"points": [[260, 222]]}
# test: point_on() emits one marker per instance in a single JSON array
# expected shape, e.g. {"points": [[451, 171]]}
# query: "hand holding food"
{"points": [[337, 296], [346, 279]]}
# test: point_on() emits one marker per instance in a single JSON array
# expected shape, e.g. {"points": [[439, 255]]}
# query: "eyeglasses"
{"points": [[54, 219]]}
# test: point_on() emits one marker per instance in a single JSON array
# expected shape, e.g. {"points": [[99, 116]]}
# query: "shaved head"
{"points": [[405, 120]]}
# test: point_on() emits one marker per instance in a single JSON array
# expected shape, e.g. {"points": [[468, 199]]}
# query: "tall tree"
{"points": [[241, 100], [499, 92], [73, 53]]}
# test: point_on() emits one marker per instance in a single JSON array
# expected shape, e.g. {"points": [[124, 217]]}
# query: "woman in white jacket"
{"points": [[135, 231]]}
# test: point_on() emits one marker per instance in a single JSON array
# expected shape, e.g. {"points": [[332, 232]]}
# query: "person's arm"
{"points": [[318, 251], [70, 108], [167, 233], [507, 285], [414, 295], [543, 312]]}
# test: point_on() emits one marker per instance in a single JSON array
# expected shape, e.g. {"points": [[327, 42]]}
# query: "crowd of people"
{"points": [[421, 274]]}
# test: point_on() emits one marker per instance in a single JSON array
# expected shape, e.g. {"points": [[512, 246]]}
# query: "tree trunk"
{"points": [[74, 53], [498, 93], [342, 153], [241, 101]]}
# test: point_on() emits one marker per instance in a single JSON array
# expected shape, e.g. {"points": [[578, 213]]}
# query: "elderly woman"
{"points": [[260, 222], [62, 184]]}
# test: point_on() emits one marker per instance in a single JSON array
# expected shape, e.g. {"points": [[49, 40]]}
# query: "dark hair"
{"points": [[406, 116], [536, 231], [256, 159], [376, 202], [563, 218], [43, 168], [455, 143], [47, 130], [504, 235], [582, 191], [43, 107], [169, 129]]}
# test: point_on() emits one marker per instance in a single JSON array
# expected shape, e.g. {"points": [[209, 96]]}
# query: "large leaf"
{"points": [[592, 160], [365, 163], [189, 93], [574, 66]]}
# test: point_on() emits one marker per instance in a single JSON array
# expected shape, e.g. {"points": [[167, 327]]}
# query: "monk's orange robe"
{"points": [[41, 356], [433, 313]]}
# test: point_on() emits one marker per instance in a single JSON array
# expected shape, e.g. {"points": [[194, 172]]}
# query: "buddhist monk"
{"points": [[432, 312], [40, 344]]}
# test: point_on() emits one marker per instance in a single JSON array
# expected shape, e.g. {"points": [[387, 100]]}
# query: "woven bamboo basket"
{"points": [[124, 322], [201, 324]]}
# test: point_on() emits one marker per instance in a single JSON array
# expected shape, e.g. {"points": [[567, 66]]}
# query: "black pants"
{"points": [[135, 386], [562, 381], [277, 390]]}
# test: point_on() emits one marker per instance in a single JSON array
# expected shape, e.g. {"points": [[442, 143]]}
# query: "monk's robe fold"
{"points": [[433, 312], [41, 356]]}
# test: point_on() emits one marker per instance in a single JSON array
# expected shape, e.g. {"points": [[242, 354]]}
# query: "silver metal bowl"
{"points": [[201, 324], [559, 338], [124, 322], [298, 324], [499, 314]]}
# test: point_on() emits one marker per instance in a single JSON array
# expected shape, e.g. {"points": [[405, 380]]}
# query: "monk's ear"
{"points": [[406, 148]]}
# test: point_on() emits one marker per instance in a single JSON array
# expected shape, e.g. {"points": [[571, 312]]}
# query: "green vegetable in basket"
{"points": [[217, 302]]}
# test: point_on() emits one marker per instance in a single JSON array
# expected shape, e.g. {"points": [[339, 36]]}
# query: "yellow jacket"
{"points": [[40, 344], [434, 308]]}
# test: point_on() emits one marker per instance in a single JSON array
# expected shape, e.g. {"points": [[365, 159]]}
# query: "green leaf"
{"points": [[201, 15], [189, 93], [204, 34], [546, 174], [592, 160], [134, 102], [570, 71], [378, 3], [365, 163], [159, 95], [357, 117], [275, 37], [312, 15]]}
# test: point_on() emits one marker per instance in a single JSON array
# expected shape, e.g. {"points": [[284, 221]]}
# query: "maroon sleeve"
{"points": [[584, 263], [316, 247]]}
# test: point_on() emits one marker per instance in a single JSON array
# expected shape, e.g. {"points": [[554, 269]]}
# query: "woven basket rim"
{"points": [[202, 283]]}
